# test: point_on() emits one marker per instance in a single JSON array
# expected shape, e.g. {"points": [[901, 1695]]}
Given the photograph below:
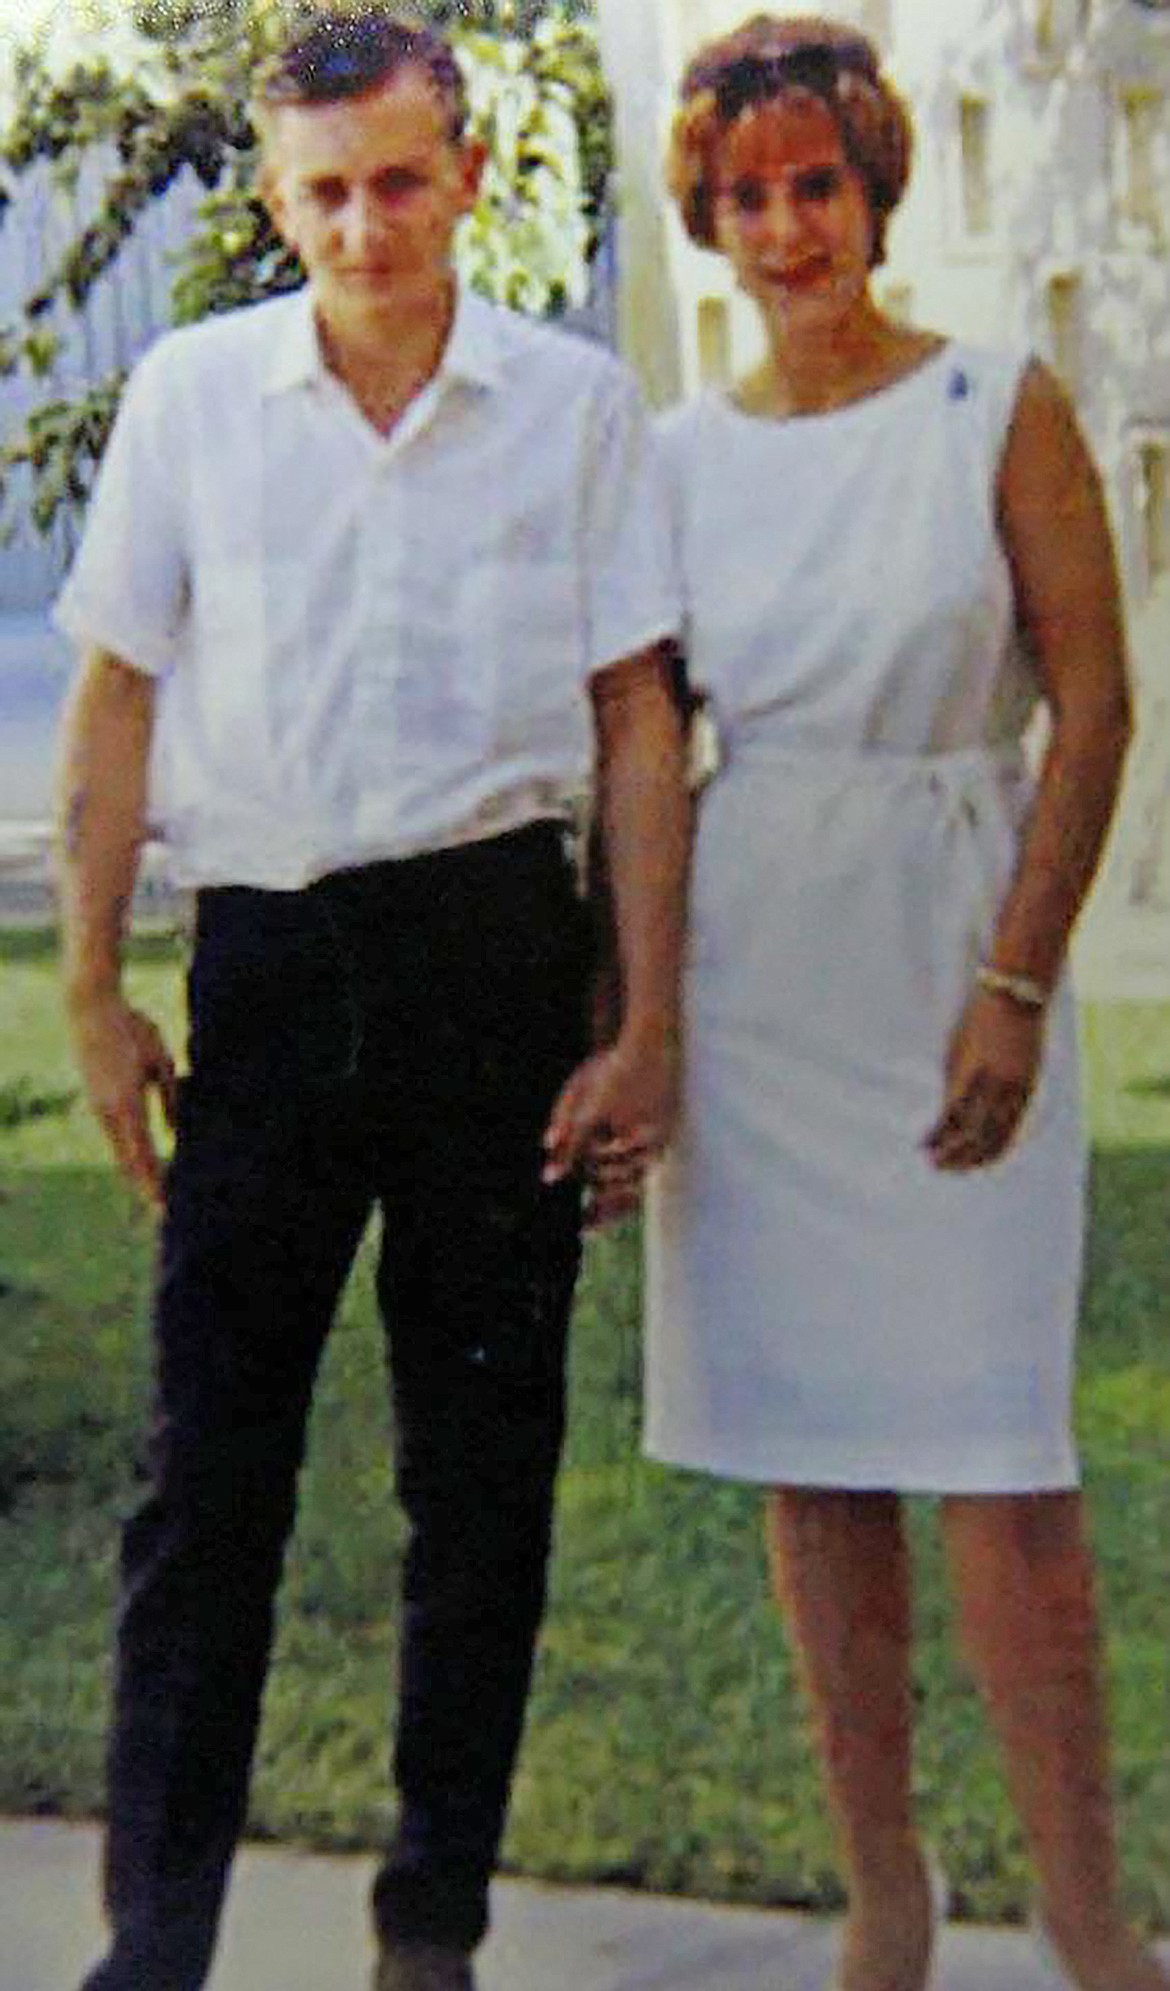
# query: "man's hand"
{"points": [[613, 1117], [615, 1114], [991, 1073], [105, 752], [123, 1059]]}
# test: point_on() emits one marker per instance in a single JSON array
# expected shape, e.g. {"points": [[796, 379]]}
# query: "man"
{"points": [[369, 573]]}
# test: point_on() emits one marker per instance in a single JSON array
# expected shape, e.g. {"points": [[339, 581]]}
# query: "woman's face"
{"points": [[792, 215]]}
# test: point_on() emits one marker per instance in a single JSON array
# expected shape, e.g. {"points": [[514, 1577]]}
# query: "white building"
{"points": [[1039, 211]]}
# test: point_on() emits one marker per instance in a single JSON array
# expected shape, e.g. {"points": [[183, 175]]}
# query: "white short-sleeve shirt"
{"points": [[369, 646]]}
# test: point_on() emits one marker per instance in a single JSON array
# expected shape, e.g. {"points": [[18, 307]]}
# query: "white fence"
{"points": [[125, 308]]}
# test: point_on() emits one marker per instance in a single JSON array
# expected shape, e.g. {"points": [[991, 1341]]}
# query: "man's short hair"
{"points": [[347, 51]]}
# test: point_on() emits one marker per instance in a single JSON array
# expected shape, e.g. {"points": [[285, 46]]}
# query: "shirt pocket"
{"points": [[526, 624]]}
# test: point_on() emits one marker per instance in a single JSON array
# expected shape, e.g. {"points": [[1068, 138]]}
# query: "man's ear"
{"points": [[474, 159], [269, 192]]}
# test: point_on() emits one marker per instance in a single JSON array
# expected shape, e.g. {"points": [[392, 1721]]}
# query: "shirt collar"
{"points": [[472, 353], [294, 358]]}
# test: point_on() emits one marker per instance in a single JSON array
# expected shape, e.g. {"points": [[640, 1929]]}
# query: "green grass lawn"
{"points": [[665, 1747]]}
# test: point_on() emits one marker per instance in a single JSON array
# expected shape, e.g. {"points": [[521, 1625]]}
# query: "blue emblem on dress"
{"points": [[958, 385]]}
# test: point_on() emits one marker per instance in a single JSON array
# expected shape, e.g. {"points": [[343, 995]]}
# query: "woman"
{"points": [[865, 1241]]}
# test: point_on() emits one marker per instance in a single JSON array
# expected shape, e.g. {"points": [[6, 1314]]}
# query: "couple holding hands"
{"points": [[375, 579]]}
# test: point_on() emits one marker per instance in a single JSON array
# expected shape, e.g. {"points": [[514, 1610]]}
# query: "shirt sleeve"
{"points": [[128, 587], [632, 587]]}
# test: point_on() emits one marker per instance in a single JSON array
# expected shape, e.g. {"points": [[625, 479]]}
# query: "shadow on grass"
{"points": [[21, 946], [1149, 1088], [20, 1102], [73, 1357], [1128, 1264]]}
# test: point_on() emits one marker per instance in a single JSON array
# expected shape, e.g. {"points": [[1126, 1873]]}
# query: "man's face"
{"points": [[369, 191]]}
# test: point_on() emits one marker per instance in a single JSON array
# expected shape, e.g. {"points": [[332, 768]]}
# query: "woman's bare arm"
{"points": [[1058, 542], [1056, 535]]}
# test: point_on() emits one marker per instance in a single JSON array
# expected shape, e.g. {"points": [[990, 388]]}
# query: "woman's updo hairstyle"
{"points": [[803, 55]]}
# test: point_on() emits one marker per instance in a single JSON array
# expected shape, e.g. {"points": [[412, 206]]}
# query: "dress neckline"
{"points": [[877, 396]]}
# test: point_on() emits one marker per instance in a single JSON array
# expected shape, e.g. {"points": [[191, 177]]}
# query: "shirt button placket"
{"points": [[379, 636]]}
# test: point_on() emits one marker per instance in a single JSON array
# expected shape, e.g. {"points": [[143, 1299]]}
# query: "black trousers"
{"points": [[394, 1036]]}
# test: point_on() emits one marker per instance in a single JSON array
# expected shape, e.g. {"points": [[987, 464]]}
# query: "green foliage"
{"points": [[537, 98], [528, 240], [62, 444]]}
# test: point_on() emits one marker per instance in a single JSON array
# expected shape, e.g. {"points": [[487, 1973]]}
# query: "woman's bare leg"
{"points": [[1023, 1577], [841, 1574]]}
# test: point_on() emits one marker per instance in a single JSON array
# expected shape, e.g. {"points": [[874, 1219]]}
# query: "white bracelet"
{"points": [[1023, 989]]}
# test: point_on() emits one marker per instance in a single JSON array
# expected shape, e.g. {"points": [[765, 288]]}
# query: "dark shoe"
{"points": [[413, 1966]]}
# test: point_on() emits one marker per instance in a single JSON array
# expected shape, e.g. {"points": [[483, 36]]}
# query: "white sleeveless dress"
{"points": [[824, 1307]]}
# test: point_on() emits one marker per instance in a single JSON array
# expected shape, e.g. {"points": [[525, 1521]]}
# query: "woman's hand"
{"points": [[612, 1120], [991, 1071]]}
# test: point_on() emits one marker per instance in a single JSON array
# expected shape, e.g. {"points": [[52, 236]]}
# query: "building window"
{"points": [[1056, 25], [877, 22], [975, 164], [1143, 165], [1153, 498], [1063, 298], [897, 301], [1047, 27], [714, 341]]}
